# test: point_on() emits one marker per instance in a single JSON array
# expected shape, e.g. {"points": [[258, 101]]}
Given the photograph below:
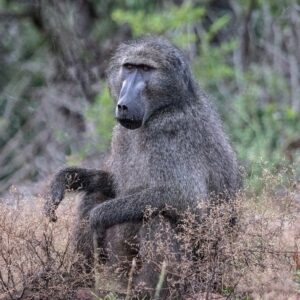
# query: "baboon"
{"points": [[168, 153]]}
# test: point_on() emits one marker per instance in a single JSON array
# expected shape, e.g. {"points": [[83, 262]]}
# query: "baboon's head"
{"points": [[145, 76]]}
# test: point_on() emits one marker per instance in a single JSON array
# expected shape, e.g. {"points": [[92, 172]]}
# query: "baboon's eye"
{"points": [[146, 68], [128, 66]]}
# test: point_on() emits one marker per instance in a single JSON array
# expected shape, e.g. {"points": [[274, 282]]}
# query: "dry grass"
{"points": [[36, 257], [258, 258]]}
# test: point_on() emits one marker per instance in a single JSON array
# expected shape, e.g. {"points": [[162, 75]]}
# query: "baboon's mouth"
{"points": [[130, 124]]}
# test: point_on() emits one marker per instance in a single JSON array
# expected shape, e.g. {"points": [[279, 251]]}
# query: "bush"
{"points": [[255, 258]]}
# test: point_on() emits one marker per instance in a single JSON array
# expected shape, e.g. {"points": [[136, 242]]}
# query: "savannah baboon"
{"points": [[168, 152]]}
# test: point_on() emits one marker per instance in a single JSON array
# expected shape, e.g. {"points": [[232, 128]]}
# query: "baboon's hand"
{"points": [[57, 191], [77, 179], [58, 187], [50, 211]]}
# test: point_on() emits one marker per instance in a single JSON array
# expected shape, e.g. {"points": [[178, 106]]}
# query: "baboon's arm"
{"points": [[132, 208], [77, 179]]}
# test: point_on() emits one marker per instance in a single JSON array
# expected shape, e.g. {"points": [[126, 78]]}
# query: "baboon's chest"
{"points": [[131, 164], [150, 162], [134, 171]]}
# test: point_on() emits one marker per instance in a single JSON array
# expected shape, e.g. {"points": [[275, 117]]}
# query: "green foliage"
{"points": [[212, 66], [101, 115], [260, 128], [177, 18], [142, 22]]}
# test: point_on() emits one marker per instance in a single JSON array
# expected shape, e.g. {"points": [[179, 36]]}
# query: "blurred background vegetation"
{"points": [[55, 107]]}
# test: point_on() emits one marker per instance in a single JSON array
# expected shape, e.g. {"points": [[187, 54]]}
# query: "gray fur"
{"points": [[179, 158]]}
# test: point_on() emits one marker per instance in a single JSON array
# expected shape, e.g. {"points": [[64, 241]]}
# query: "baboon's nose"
{"points": [[122, 108]]}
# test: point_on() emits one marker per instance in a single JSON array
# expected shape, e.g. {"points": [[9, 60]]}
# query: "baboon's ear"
{"points": [[188, 81], [179, 65]]}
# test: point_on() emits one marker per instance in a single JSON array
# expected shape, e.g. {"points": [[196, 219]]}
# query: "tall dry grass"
{"points": [[257, 258]]}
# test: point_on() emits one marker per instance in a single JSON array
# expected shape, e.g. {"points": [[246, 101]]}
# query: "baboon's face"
{"points": [[131, 108], [144, 78]]}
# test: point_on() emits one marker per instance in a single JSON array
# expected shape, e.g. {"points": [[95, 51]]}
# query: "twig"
{"points": [[129, 286], [161, 280], [96, 262]]}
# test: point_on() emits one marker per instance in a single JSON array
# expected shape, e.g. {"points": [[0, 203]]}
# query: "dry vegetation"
{"points": [[258, 258]]}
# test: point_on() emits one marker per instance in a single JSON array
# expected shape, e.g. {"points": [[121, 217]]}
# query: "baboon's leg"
{"points": [[159, 253], [117, 250], [121, 247], [83, 236]]}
